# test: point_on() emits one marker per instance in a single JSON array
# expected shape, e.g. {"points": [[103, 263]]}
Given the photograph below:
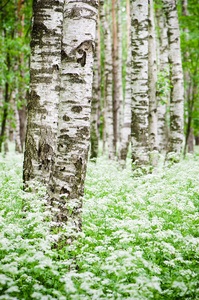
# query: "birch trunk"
{"points": [[126, 126], [102, 21], [44, 90], [18, 146], [95, 104], [152, 82], [119, 70], [115, 76], [99, 92], [177, 91], [163, 69], [108, 77], [21, 88], [67, 179], [139, 82]]}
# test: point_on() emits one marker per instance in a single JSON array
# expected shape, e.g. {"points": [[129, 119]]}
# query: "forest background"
{"points": [[15, 64]]}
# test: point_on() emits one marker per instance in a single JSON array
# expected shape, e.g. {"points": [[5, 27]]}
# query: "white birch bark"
{"points": [[67, 179], [119, 70], [152, 81], [164, 69], [139, 81], [126, 125], [115, 75], [99, 92], [108, 78], [95, 105], [102, 20], [44, 90], [177, 91]]}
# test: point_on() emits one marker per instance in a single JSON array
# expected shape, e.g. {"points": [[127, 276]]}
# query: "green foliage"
{"points": [[14, 51], [163, 86], [189, 26], [139, 240]]}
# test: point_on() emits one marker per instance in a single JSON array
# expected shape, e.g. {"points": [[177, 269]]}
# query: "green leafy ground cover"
{"points": [[140, 237]]}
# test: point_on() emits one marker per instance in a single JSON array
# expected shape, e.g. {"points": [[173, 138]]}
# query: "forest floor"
{"points": [[140, 236]]}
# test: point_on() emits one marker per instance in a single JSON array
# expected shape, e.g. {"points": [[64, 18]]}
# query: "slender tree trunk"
{"points": [[192, 96], [139, 84], [7, 96], [104, 109], [44, 90], [115, 76], [119, 70], [5, 114], [189, 94], [99, 93], [177, 91], [22, 96], [191, 142], [186, 54], [67, 179], [18, 146], [108, 77], [95, 105], [197, 140], [6, 148], [163, 101], [152, 81], [126, 126]]}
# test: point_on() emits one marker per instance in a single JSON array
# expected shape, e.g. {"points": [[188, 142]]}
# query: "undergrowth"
{"points": [[140, 237]]}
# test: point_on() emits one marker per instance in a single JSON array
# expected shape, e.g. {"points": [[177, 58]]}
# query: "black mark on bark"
{"points": [[66, 118], [76, 109]]}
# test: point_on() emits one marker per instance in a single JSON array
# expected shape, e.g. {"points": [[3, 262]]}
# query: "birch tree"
{"points": [[119, 69], [152, 81], [44, 90], [115, 76], [163, 99], [126, 125], [67, 179], [95, 103], [108, 77], [177, 90], [21, 87], [139, 83]]}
